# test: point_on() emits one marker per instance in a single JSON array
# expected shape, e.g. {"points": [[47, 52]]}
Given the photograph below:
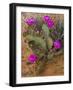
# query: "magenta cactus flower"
{"points": [[50, 23], [46, 18], [31, 21], [57, 44], [32, 58]]}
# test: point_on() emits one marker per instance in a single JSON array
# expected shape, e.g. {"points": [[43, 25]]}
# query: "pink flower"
{"points": [[31, 21], [48, 21], [46, 18], [57, 44], [32, 58]]}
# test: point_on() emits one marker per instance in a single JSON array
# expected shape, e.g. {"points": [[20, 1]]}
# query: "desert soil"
{"points": [[54, 67]]}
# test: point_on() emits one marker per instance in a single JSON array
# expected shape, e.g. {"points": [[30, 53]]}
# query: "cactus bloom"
{"points": [[50, 23], [57, 44], [32, 58], [46, 18], [31, 21]]}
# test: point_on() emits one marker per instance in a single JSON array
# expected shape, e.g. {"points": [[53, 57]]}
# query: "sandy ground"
{"points": [[54, 67]]}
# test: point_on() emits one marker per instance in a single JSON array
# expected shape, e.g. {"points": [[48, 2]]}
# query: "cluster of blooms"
{"points": [[48, 21], [57, 44]]}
